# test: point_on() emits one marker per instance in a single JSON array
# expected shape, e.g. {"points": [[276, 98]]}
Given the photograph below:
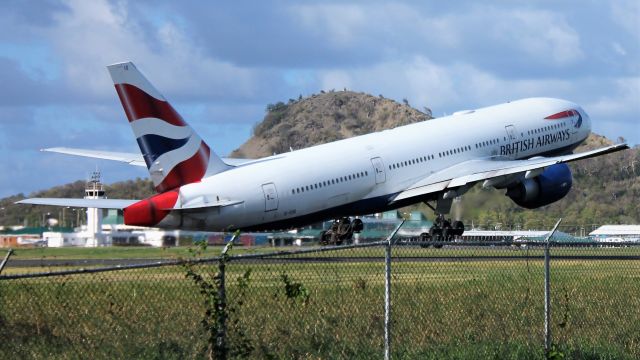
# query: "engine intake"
{"points": [[550, 186]]}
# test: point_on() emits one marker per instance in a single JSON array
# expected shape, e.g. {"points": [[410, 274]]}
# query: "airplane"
{"points": [[522, 146]]}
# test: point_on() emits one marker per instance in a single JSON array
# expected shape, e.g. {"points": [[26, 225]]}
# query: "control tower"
{"points": [[94, 190]]}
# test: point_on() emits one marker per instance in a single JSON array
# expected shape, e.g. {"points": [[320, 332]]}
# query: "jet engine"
{"points": [[552, 185]]}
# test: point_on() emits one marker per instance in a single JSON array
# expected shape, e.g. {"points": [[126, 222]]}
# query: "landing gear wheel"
{"points": [[424, 237], [458, 228], [325, 238], [446, 234], [341, 230], [357, 225]]}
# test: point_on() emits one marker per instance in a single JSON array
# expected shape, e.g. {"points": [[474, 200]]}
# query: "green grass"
{"points": [[116, 252], [124, 252], [441, 309]]}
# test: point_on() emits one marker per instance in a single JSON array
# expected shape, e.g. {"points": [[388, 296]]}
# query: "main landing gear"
{"points": [[443, 229], [341, 230]]}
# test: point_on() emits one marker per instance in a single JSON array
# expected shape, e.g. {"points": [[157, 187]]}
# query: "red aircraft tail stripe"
{"points": [[187, 172], [138, 104]]}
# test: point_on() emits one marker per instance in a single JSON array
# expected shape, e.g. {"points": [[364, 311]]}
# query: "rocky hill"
{"points": [[323, 118], [605, 190]]}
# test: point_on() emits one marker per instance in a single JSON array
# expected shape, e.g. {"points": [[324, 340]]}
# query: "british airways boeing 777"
{"points": [[521, 146]]}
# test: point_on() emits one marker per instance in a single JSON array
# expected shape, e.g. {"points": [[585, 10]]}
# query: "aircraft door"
{"points": [[511, 132], [270, 197], [378, 168]]}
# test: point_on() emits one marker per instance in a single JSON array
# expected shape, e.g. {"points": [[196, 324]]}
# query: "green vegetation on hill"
{"points": [[606, 189]]}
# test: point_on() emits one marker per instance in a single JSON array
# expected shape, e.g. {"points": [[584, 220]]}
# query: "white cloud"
{"points": [[618, 48], [626, 13], [342, 22], [94, 34], [335, 79], [543, 35], [622, 98], [444, 87]]}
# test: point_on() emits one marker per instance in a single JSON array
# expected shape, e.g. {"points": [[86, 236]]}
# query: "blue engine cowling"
{"points": [[550, 186]]}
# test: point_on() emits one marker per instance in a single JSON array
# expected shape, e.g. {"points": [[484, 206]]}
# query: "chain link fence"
{"points": [[464, 300]]}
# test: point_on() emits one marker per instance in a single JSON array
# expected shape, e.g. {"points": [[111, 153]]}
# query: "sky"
{"points": [[221, 63]]}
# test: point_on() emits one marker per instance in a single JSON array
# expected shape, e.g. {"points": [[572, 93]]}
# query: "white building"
{"points": [[616, 233]]}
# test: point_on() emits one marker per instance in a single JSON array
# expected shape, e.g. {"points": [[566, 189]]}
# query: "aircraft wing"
{"points": [[472, 171], [86, 203], [135, 159]]}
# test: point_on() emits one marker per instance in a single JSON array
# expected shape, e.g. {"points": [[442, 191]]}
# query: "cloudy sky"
{"points": [[221, 64]]}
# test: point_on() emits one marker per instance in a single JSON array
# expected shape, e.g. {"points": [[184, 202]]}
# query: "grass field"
{"points": [[446, 308], [115, 252], [124, 252]]}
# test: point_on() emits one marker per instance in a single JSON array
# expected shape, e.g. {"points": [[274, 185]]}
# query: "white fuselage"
{"points": [[361, 175]]}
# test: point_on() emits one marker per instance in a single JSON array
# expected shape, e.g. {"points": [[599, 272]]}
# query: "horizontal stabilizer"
{"points": [[135, 159], [129, 158], [81, 203]]}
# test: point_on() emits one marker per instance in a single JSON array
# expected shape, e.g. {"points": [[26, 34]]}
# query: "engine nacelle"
{"points": [[550, 186]]}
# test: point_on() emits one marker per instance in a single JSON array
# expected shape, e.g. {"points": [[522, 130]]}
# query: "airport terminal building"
{"points": [[616, 233]]}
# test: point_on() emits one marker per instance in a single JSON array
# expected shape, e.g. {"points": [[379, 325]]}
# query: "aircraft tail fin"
{"points": [[174, 153]]}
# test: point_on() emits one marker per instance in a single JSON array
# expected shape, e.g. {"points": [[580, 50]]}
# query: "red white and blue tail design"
{"points": [[175, 155]]}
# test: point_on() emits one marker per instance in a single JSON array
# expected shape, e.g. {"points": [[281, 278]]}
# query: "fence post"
{"points": [[547, 291], [387, 292], [220, 349], [221, 344], [6, 258]]}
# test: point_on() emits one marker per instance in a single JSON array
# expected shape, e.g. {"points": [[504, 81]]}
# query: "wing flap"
{"points": [[83, 203], [472, 171]]}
